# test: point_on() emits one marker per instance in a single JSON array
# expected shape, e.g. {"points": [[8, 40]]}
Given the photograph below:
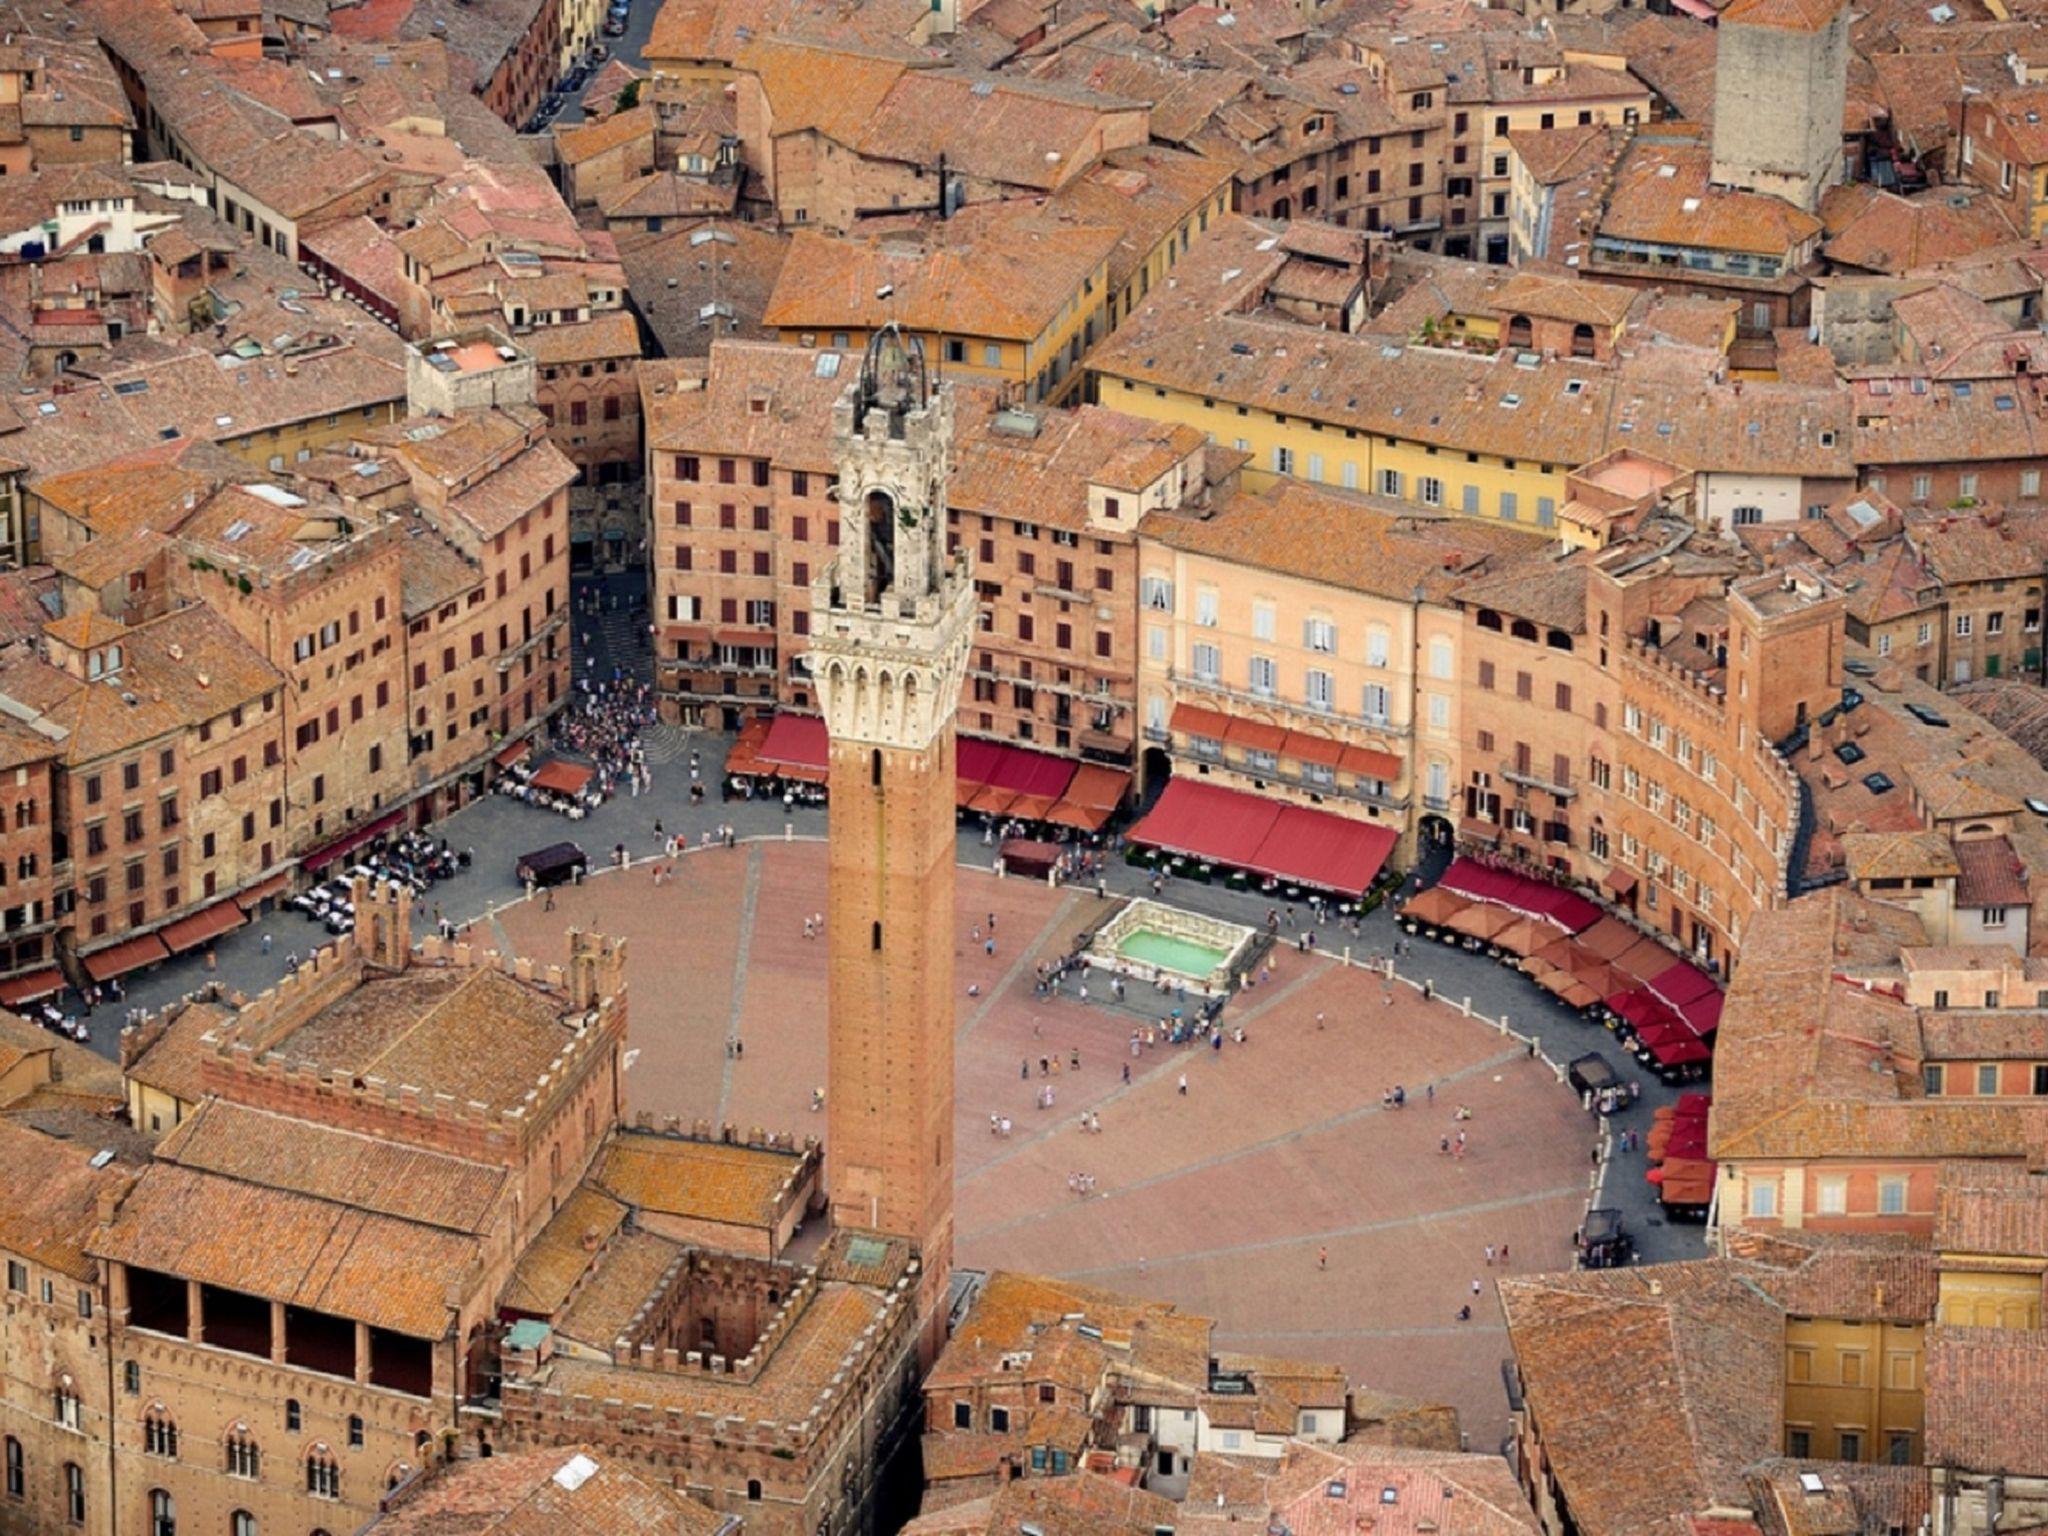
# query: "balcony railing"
{"points": [[1192, 681]]}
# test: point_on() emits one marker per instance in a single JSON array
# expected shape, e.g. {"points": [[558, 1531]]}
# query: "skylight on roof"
{"points": [[132, 387], [575, 1472], [1510, 402], [238, 530], [828, 365]]}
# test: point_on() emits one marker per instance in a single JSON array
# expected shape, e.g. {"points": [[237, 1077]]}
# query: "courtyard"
{"points": [[1223, 1199]]}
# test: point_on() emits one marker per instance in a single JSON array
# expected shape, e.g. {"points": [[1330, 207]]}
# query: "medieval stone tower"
{"points": [[893, 618]]}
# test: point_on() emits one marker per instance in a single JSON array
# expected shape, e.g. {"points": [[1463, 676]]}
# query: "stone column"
{"points": [[277, 1332], [362, 1354], [195, 1313]]}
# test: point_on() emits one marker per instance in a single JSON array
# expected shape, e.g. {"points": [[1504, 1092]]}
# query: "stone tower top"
{"points": [[892, 438], [893, 616]]}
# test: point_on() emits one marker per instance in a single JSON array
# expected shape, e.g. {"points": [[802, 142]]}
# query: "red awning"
{"points": [[1083, 818], [1470, 878], [1031, 807], [1028, 856], [26, 989], [1703, 1014], [1364, 761], [1255, 736], [1208, 821], [1026, 772], [348, 842], [1683, 983], [511, 752], [190, 932], [1304, 748], [1192, 720], [262, 891], [992, 799], [752, 639], [120, 959], [562, 778], [1098, 787], [974, 760], [1288, 842], [699, 634], [1620, 881], [797, 740]]}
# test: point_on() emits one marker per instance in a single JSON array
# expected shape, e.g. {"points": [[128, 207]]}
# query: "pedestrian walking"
{"points": [[1183, 1085], [1489, 1255]]}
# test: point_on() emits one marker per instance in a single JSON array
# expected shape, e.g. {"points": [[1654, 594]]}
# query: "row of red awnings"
{"points": [[1245, 831], [350, 841], [1293, 746], [1671, 1004], [992, 777]]}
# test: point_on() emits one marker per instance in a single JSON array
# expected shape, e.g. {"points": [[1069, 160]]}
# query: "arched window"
{"points": [[163, 1514], [241, 1523], [1582, 340], [67, 1407], [323, 1474], [243, 1458], [293, 1419], [753, 1490], [1521, 335], [74, 1493], [17, 1478], [159, 1432]]}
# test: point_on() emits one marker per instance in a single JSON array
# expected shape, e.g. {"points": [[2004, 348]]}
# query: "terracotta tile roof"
{"points": [[1084, 1504], [1552, 595], [1663, 192], [1900, 855], [307, 1158], [1679, 1362], [1996, 1209], [711, 1181], [1051, 469], [2019, 709], [1793, 1074], [994, 270], [1856, 1280], [1880, 231], [1143, 193], [174, 1062], [1791, 15], [477, 1035], [1555, 155], [1358, 542], [565, 1490], [1335, 1490], [434, 571], [587, 141], [1992, 874], [613, 334], [741, 265], [1015, 1313], [555, 1262], [1970, 1368], [621, 1282], [492, 482], [49, 1201], [1855, 1499], [293, 1248]]}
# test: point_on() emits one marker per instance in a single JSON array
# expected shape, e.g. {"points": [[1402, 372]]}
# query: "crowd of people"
{"points": [[603, 728]]}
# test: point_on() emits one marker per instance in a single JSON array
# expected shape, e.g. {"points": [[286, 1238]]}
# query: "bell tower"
{"points": [[893, 619]]}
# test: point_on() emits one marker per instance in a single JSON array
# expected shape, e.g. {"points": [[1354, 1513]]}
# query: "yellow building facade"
{"points": [[1324, 451], [1854, 1390]]}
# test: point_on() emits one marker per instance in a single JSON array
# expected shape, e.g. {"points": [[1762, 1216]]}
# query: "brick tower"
{"points": [[893, 620]]}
